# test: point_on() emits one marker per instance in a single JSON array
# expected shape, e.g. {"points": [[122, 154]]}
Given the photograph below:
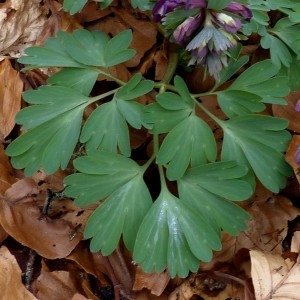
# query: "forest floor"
{"points": [[43, 254]]}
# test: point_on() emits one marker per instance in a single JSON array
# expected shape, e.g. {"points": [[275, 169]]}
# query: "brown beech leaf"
{"points": [[21, 23], [21, 216], [155, 282], [56, 285], [273, 277], [291, 152], [10, 278], [11, 87], [289, 111], [6, 172]]}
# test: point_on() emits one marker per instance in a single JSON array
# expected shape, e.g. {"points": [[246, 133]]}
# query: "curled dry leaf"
{"points": [[10, 278], [155, 282], [21, 23], [11, 87], [273, 277], [289, 111], [291, 154], [21, 216], [6, 172], [56, 285]]}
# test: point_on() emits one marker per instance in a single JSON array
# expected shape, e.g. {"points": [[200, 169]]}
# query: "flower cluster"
{"points": [[206, 34]]}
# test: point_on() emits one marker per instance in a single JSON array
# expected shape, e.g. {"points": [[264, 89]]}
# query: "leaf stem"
{"points": [[160, 168], [212, 116], [145, 166], [99, 97]]}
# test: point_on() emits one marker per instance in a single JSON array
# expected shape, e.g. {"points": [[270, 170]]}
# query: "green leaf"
{"points": [[142, 5], [106, 129], [280, 54], [217, 4], [116, 50], [74, 6], [170, 108], [260, 79], [200, 187], [257, 141], [104, 3], [190, 142], [52, 54], [134, 88], [78, 45], [131, 110], [235, 103], [175, 236], [49, 145], [82, 80], [50, 101], [120, 179]]}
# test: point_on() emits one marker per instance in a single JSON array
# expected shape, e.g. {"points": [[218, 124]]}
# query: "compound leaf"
{"points": [[82, 80], [257, 141], [106, 129], [120, 179], [74, 6], [200, 188], [191, 141], [50, 101], [49, 145], [175, 236], [234, 103]]}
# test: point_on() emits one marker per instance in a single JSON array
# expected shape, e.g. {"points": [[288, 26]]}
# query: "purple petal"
{"points": [[297, 106], [230, 24], [191, 4], [162, 7], [297, 155], [239, 9], [183, 32]]}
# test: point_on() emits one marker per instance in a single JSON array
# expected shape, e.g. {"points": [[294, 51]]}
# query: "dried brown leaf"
{"points": [[21, 23], [273, 277], [56, 285], [21, 216], [10, 278], [155, 282], [290, 155], [6, 172], [289, 112], [11, 87]]}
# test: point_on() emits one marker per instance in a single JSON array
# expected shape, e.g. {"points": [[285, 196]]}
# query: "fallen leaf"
{"points": [[289, 112], [6, 172], [273, 277], [21, 217], [21, 23], [155, 282], [11, 87], [291, 154], [10, 278], [56, 285]]}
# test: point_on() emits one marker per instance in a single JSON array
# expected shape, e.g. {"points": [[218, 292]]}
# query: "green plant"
{"points": [[179, 228]]}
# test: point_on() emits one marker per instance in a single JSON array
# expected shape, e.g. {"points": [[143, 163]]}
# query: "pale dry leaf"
{"points": [[11, 87], [295, 244], [21, 22], [155, 282], [10, 278], [273, 277]]}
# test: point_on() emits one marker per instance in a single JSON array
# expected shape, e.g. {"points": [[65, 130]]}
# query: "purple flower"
{"points": [[229, 23], [191, 4], [184, 31], [162, 7], [239, 9], [297, 106]]}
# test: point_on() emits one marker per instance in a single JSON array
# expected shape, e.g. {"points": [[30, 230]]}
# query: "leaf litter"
{"points": [[257, 264]]}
